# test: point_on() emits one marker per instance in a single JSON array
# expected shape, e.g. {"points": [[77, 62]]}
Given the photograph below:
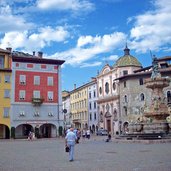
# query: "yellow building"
{"points": [[79, 107], [5, 89]]}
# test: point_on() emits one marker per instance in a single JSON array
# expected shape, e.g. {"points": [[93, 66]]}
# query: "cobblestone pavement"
{"points": [[90, 155]]}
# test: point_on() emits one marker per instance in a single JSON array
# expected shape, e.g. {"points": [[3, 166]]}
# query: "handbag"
{"points": [[67, 149]]}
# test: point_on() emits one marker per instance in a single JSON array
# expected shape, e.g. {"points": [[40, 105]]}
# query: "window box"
{"points": [[37, 101]]}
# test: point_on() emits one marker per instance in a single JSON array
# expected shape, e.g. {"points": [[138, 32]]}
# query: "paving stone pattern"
{"points": [[90, 155]]}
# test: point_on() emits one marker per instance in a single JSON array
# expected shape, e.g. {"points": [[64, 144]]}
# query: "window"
{"points": [[90, 116], [50, 95], [6, 93], [125, 72], [125, 99], [94, 105], [114, 86], [89, 95], [107, 87], [141, 97], [22, 79], [124, 84], [94, 94], [50, 81], [141, 81], [100, 90], [6, 112], [36, 94], [169, 97], [125, 110], [2, 62], [95, 116], [36, 80], [22, 94], [90, 105], [7, 78]]}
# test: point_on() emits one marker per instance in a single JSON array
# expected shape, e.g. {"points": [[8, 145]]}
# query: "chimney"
{"points": [[9, 49], [40, 54], [74, 86], [33, 53]]}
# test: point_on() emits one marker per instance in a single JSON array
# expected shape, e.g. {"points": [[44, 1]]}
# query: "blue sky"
{"points": [[87, 34]]}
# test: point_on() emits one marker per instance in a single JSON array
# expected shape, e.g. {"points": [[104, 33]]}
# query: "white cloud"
{"points": [[74, 5], [34, 41], [10, 22], [111, 58], [86, 49], [84, 65], [152, 29]]}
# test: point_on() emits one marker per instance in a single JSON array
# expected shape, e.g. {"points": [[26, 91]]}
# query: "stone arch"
{"points": [[142, 97], [22, 130], [125, 127], [93, 128], [4, 131], [48, 130]]}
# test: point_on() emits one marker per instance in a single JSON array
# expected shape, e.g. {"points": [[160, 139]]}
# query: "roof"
{"points": [[163, 71], [25, 57], [127, 60], [4, 51]]}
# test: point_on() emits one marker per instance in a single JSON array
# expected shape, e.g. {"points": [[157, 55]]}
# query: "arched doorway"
{"points": [[22, 131], [93, 128], [125, 127], [48, 131], [4, 131]]}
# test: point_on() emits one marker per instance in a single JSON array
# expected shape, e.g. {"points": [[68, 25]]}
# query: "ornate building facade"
{"points": [[109, 91]]}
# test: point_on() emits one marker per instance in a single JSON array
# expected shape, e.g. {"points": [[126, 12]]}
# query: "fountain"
{"points": [[153, 122]]}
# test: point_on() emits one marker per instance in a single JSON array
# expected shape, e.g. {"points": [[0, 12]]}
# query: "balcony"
{"points": [[37, 101]]}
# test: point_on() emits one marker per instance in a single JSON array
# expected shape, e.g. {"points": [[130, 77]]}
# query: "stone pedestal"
{"points": [[161, 127]]}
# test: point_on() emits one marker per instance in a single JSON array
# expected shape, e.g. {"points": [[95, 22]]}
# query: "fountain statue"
{"points": [[153, 120], [157, 111]]}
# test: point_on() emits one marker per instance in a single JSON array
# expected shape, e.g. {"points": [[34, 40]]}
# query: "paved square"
{"points": [[90, 155]]}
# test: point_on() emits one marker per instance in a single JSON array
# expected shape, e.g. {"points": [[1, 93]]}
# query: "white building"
{"points": [[92, 106], [66, 109]]}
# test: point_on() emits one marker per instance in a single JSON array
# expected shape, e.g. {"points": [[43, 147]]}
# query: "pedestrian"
{"points": [[84, 133], [88, 133], [70, 140], [78, 135], [108, 137], [30, 136]]}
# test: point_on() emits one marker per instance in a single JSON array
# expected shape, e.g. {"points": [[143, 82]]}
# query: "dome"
{"points": [[127, 60]]}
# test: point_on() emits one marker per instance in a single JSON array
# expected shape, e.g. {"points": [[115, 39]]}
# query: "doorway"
{"points": [[109, 125]]}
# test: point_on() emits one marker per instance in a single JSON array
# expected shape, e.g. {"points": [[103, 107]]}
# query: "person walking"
{"points": [[70, 140], [88, 134]]}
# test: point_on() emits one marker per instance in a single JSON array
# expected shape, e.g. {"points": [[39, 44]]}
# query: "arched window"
{"points": [[169, 97], [141, 97], [125, 110], [107, 87], [114, 86], [100, 90], [125, 99]]}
